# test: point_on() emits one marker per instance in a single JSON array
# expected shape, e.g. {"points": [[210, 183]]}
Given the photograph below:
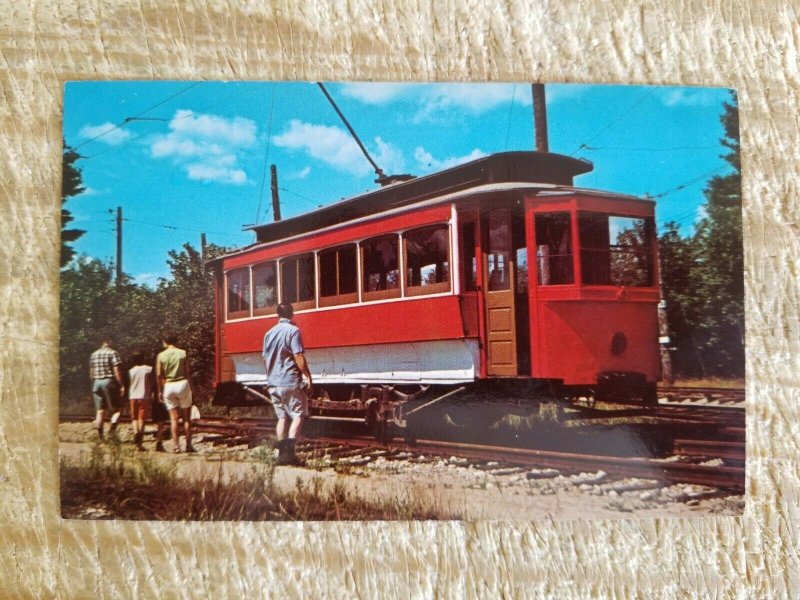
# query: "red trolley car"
{"points": [[497, 268]]}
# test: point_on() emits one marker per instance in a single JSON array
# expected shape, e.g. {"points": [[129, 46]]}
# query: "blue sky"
{"points": [[182, 158]]}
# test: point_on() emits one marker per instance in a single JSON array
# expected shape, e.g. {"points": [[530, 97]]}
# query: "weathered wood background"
{"points": [[751, 46]]}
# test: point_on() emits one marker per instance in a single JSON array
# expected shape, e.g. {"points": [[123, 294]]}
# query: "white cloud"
{"points": [[202, 172], [389, 158], [109, 135], [90, 191], [377, 93], [301, 174], [690, 97], [337, 148], [555, 92], [427, 163], [448, 101], [207, 147]]}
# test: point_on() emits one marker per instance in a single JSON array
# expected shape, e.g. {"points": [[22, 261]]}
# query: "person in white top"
{"points": [[141, 387]]}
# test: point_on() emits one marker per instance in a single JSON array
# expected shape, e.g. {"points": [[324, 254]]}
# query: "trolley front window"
{"points": [[427, 260], [616, 250], [265, 284], [238, 293], [381, 269], [337, 276], [554, 249], [297, 281]]}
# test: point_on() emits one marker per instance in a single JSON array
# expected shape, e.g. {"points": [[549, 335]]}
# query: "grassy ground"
{"points": [[113, 482]]}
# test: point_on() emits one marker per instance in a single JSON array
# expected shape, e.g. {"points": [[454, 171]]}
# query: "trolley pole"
{"points": [[276, 203], [118, 279], [540, 117], [663, 332]]}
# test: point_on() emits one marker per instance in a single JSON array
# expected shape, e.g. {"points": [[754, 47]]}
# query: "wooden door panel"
{"points": [[499, 294], [500, 320]]}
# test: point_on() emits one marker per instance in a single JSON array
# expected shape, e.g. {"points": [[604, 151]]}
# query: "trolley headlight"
{"points": [[619, 343]]}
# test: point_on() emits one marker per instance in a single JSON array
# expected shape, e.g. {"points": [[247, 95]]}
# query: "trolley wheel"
{"points": [[650, 395], [382, 431]]}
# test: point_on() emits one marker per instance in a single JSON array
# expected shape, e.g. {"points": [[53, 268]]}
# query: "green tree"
{"points": [[719, 274], [678, 260], [87, 308], [703, 275], [71, 185], [186, 307]]}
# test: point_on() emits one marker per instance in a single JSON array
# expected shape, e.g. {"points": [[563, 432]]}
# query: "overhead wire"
{"points": [[510, 112], [307, 199], [172, 227], [686, 184], [615, 121], [144, 112], [672, 149]]}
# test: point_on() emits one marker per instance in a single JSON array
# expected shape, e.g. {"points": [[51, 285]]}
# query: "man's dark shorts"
{"points": [[105, 393]]}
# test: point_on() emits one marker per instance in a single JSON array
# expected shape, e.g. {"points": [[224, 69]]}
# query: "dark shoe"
{"points": [[289, 457], [190, 448], [282, 456], [137, 439], [160, 447]]}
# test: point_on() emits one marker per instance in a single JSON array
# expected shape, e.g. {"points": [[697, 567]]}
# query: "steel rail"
{"points": [[724, 477]]}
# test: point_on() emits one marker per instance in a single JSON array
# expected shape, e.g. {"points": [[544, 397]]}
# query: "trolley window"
{"points": [[338, 276], [616, 250], [427, 254], [238, 293], [380, 267], [297, 281], [469, 261], [265, 286], [554, 249]]}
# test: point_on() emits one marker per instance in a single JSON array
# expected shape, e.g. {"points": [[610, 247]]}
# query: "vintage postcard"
{"points": [[385, 301]]}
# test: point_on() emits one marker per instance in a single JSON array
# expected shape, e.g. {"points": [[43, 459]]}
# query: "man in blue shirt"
{"points": [[288, 380]]}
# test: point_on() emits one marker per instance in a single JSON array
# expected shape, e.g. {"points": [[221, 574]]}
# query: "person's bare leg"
{"points": [[134, 414], [295, 428], [280, 429], [98, 423], [173, 426], [187, 428]]}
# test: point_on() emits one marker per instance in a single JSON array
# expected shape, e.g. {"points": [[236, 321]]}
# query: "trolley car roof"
{"points": [[549, 174], [532, 167]]}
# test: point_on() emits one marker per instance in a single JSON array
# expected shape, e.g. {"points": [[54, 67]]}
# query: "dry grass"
{"points": [[112, 482], [710, 383]]}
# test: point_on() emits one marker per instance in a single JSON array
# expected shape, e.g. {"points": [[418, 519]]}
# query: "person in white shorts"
{"points": [[172, 371]]}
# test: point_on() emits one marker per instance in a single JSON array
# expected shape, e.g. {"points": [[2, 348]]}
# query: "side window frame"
{"points": [[231, 315], [431, 288], [297, 259], [339, 266], [394, 292], [269, 309]]}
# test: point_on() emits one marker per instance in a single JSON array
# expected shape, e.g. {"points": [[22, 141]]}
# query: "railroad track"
{"points": [[729, 477], [715, 463], [733, 398]]}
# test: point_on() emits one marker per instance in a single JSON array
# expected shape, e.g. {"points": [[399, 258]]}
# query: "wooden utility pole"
{"points": [[276, 203], [203, 246], [539, 117], [664, 342], [119, 245]]}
